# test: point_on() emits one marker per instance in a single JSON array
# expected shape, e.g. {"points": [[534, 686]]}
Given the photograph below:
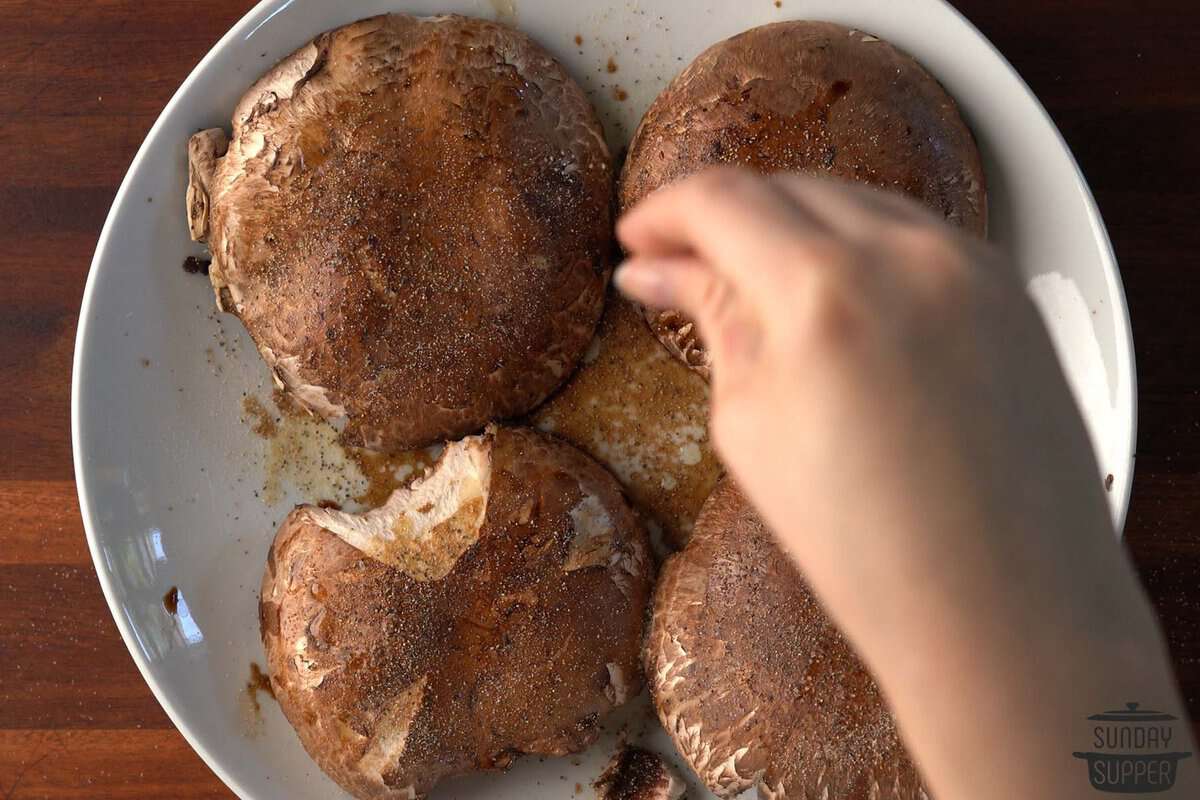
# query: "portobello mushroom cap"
{"points": [[411, 218], [811, 97], [751, 680], [493, 608]]}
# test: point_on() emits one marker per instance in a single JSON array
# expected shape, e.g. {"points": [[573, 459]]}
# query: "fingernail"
{"points": [[643, 283]]}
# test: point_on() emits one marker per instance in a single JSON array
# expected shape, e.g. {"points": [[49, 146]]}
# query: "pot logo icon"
{"points": [[1132, 751]]}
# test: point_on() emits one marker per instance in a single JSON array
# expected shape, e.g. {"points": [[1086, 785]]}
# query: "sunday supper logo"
{"points": [[1132, 751]]}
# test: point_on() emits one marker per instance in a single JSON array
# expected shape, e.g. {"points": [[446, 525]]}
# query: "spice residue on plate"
{"points": [[262, 421], [248, 703], [506, 10], [259, 682], [642, 414], [578, 40], [305, 452], [620, 94], [171, 600], [302, 452], [611, 66]]}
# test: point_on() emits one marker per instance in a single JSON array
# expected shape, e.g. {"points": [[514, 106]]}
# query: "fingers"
{"points": [[869, 216], [726, 321], [849, 209], [679, 282], [744, 227]]}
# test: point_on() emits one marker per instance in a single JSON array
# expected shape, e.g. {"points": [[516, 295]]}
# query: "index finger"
{"points": [[740, 224]]}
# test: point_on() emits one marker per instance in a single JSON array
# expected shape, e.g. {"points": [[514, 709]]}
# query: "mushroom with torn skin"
{"points": [[636, 774], [751, 680], [411, 218], [493, 608], [811, 97]]}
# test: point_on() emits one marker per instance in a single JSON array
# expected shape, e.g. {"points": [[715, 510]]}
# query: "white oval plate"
{"points": [[169, 476]]}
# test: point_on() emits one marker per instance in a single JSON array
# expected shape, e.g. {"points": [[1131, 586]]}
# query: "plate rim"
{"points": [[259, 15], [1123, 322]]}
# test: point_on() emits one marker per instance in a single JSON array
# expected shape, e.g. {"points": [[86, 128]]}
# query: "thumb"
{"points": [[688, 285]]}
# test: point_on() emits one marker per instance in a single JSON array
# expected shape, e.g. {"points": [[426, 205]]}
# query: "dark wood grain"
{"points": [[108, 764], [81, 82]]}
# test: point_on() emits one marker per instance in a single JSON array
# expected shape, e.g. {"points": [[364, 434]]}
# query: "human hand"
{"points": [[886, 394]]}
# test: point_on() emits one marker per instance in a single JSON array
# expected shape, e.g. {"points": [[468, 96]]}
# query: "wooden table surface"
{"points": [[81, 81]]}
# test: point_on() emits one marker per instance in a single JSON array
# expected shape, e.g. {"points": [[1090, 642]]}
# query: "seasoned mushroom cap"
{"points": [[492, 609], [412, 221], [809, 97], [754, 684]]}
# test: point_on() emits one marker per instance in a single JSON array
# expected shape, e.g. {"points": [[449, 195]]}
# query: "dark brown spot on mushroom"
{"points": [[634, 774], [196, 266], [268, 618]]}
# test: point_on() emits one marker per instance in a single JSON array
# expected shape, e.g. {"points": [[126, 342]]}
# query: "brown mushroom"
{"points": [[810, 97], [752, 681], [412, 220], [491, 609]]}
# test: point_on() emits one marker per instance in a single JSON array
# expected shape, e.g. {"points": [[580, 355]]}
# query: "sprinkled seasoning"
{"points": [[819, 98], [821, 727], [456, 272], [509, 646]]}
